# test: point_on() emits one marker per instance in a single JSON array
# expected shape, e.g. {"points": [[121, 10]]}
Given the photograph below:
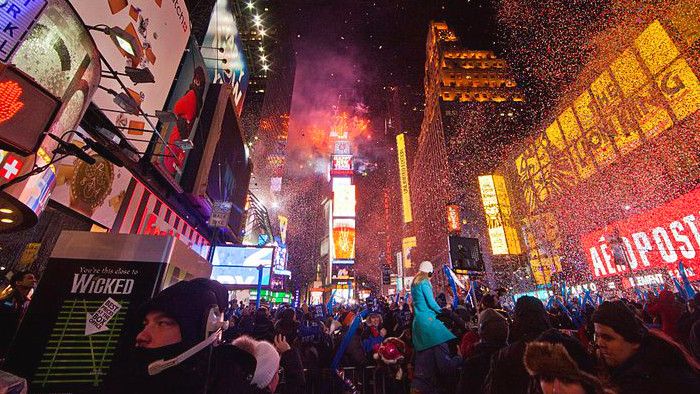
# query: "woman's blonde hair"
{"points": [[421, 276]]}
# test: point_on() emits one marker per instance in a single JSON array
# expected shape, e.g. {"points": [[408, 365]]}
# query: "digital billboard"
{"points": [[407, 245], [238, 265], [230, 66], [403, 177], [643, 92], [504, 239], [454, 223], [344, 239], [185, 102], [161, 30], [344, 201], [341, 165], [656, 239], [96, 191]]}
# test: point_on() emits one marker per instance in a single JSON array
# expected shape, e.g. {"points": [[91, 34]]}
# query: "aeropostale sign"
{"points": [[657, 239]]}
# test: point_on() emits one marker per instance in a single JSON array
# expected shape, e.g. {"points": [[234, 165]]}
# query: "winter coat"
{"points": [[694, 340], [507, 373], [655, 368], [293, 381], [685, 325], [668, 311], [435, 370], [476, 367], [428, 331]]}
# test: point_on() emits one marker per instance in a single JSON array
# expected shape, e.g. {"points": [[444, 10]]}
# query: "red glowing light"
{"points": [[10, 91]]}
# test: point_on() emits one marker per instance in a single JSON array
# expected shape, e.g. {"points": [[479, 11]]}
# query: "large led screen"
{"points": [[657, 239], [344, 239], [344, 201], [230, 65], [238, 265], [185, 102]]}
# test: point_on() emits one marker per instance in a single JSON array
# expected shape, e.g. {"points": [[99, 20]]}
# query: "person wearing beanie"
{"points": [[507, 373], [493, 333], [433, 361], [556, 372], [640, 360], [175, 320]]}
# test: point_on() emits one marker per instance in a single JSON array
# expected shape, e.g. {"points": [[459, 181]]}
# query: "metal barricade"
{"points": [[362, 380]]}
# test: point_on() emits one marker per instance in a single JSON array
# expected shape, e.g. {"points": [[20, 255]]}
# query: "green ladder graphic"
{"points": [[73, 357]]}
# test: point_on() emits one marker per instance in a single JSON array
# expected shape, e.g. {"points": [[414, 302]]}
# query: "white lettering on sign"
{"points": [[91, 284], [16, 18], [660, 238], [97, 321]]}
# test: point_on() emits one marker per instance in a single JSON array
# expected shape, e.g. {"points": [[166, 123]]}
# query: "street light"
{"points": [[121, 38]]}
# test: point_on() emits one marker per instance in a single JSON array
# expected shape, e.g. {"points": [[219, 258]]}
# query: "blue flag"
{"points": [[689, 290]]}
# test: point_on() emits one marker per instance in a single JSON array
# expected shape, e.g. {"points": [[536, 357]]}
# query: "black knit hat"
{"points": [[189, 302], [619, 317]]}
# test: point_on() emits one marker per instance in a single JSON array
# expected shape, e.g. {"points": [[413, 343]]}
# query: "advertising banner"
{"points": [[185, 102], [96, 191], [454, 223], [78, 318], [230, 66], [647, 89], [238, 265], [502, 233], [344, 239], [344, 201], [161, 30], [17, 20], [407, 246], [403, 177], [657, 239], [341, 165], [284, 222], [144, 213]]}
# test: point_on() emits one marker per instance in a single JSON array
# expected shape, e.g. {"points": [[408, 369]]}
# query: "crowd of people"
{"points": [[192, 339]]}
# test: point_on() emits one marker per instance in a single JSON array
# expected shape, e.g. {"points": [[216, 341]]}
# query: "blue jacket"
{"points": [[428, 331]]}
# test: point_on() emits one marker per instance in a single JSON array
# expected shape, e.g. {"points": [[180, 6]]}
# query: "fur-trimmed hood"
{"points": [[544, 359]]}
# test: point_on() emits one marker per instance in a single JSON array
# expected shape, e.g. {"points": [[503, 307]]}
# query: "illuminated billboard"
{"points": [[643, 92], [403, 177], [186, 100], [407, 245], [656, 239], [161, 30], [341, 165], [230, 65], [504, 239], [454, 223], [238, 265], [344, 201], [344, 239]]}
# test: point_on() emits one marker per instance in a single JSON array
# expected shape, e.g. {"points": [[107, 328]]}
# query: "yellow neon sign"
{"points": [[403, 176]]}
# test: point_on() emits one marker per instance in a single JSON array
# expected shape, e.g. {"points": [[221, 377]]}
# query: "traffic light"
{"points": [[386, 275]]}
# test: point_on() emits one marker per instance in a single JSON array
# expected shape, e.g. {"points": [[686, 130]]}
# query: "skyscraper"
{"points": [[471, 109]]}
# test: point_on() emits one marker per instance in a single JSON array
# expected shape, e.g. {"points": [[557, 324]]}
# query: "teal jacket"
{"points": [[428, 331]]}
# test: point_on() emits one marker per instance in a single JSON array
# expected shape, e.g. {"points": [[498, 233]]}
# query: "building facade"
{"points": [[606, 191], [471, 109]]}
